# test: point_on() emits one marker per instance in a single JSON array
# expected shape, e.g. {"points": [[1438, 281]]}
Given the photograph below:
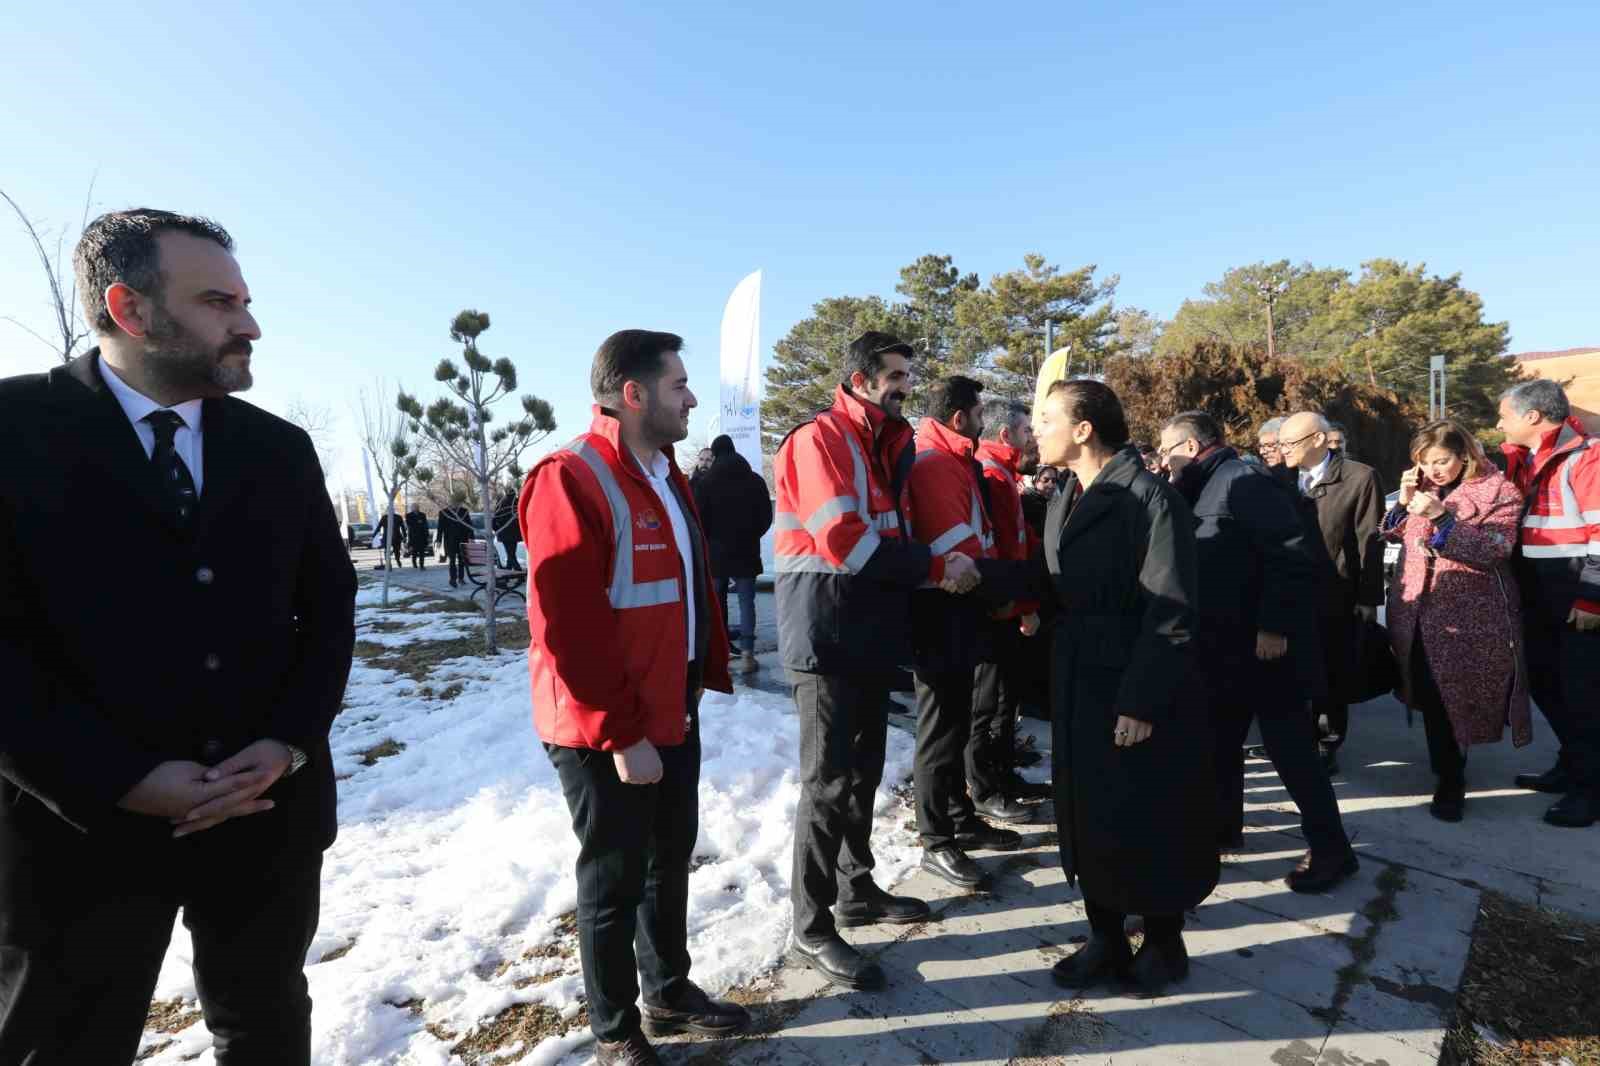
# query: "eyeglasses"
{"points": [[1166, 453], [1285, 445], [1265, 447]]}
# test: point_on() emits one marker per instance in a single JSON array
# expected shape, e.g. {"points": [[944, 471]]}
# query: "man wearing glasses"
{"points": [[1349, 504]]}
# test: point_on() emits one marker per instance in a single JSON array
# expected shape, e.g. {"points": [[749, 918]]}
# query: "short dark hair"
{"points": [[1197, 424], [629, 355], [1337, 427], [1039, 473], [1094, 402], [1000, 414], [120, 248], [954, 394], [723, 445], [866, 353]]}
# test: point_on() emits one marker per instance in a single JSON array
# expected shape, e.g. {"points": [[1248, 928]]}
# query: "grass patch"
{"points": [[1528, 995], [338, 953], [381, 750], [418, 659], [524, 1023], [171, 1016]]}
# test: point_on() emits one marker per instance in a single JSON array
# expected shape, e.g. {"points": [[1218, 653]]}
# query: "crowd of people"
{"points": [[1157, 600], [166, 744]]}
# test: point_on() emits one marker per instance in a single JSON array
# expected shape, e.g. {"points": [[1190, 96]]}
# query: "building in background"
{"points": [[1578, 371]]}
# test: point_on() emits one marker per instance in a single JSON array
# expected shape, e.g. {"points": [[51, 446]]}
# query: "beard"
{"points": [[665, 424], [179, 359], [1029, 464]]}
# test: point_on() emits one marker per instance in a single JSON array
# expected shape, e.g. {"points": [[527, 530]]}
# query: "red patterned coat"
{"points": [[1459, 590]]}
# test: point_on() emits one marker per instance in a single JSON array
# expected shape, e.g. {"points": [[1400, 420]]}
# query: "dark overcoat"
{"points": [[736, 510], [1137, 824]]}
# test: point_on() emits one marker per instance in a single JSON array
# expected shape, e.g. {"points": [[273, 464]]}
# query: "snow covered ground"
{"points": [[444, 896]]}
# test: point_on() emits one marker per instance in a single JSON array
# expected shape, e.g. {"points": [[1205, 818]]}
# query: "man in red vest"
{"points": [[949, 634], [625, 635], [1557, 467], [846, 568], [1006, 452]]}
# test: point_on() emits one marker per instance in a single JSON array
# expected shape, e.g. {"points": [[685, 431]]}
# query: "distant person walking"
{"points": [[737, 512], [419, 541], [506, 529], [1455, 611], [455, 529]]}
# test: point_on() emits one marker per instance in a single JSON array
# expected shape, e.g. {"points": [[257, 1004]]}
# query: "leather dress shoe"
{"points": [[1576, 810], [1003, 809], [837, 961], [878, 906], [634, 1051], [695, 1012], [1556, 779], [1100, 960], [1159, 964], [1317, 873], [952, 864], [1017, 787], [985, 837], [1449, 802]]}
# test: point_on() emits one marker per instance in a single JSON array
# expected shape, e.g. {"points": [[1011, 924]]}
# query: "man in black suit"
{"points": [[164, 740]]}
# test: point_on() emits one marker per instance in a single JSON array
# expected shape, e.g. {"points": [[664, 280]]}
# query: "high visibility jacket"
{"points": [[1559, 549], [949, 513], [607, 615], [1013, 540], [845, 566]]}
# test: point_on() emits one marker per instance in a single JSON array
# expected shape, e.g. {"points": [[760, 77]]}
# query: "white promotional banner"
{"points": [[740, 413]]}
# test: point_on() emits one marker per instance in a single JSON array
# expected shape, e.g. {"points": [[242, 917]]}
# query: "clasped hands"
{"points": [[194, 797]]}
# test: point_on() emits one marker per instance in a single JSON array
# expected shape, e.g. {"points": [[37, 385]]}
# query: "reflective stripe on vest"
{"points": [[1022, 522], [624, 593], [860, 504], [961, 531]]}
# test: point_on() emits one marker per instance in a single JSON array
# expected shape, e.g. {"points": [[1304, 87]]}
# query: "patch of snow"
{"points": [[455, 857]]}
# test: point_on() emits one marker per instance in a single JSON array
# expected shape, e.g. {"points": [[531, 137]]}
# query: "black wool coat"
{"points": [[1259, 570], [736, 512], [418, 536], [188, 643], [1137, 824]]}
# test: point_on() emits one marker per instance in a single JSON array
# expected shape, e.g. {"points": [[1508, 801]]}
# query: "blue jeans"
{"points": [[746, 587]]}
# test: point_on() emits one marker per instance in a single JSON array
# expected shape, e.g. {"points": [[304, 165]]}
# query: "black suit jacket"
{"points": [[182, 643]]}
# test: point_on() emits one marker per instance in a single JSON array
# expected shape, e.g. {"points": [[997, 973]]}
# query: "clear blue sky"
{"points": [[575, 169]]}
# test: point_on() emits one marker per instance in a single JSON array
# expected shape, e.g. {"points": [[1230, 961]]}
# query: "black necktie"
{"points": [[176, 481]]}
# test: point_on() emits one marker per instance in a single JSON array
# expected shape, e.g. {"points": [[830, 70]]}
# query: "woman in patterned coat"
{"points": [[1454, 611]]}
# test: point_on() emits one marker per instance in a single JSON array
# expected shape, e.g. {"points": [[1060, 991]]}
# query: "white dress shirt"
{"points": [[659, 474], [136, 405], [1310, 478]]}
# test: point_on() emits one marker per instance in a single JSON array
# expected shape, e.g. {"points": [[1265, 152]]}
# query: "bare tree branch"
{"points": [[63, 298]]}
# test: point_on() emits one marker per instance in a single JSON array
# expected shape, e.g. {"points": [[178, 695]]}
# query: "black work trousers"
{"points": [[1445, 756], [944, 730], [634, 847], [843, 731], [997, 690], [1564, 680], [457, 554], [1341, 650], [1245, 689], [83, 934]]}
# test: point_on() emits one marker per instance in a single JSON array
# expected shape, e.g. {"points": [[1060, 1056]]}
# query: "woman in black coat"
{"points": [[1131, 734]]}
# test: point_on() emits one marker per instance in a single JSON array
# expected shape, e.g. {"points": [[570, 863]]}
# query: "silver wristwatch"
{"points": [[297, 760]]}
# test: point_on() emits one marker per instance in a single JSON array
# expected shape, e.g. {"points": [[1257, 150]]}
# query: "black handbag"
{"points": [[1377, 673]]}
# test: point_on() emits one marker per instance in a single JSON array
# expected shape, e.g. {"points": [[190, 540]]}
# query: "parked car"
{"points": [[359, 534]]}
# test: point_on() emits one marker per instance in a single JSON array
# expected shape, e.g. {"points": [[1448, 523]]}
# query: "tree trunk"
{"points": [[492, 558]]}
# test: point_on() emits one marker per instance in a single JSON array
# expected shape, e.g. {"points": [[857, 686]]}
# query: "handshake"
{"points": [[960, 574]]}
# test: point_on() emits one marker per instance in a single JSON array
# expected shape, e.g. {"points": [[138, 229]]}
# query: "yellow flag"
{"points": [[1054, 369]]}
